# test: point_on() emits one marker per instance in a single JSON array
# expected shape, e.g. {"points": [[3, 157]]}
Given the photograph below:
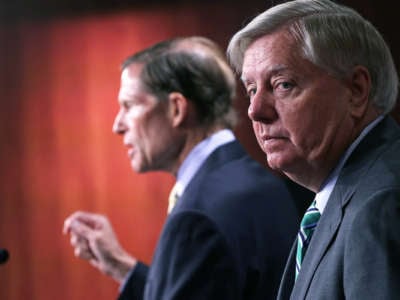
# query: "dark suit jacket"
{"points": [[355, 250], [227, 238]]}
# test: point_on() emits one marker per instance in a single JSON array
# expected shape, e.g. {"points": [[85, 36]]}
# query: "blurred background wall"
{"points": [[59, 78]]}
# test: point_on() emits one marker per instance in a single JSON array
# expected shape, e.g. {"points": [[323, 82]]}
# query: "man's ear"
{"points": [[178, 108], [360, 85]]}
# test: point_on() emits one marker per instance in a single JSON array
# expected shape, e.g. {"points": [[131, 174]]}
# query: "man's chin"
{"points": [[137, 168], [277, 163]]}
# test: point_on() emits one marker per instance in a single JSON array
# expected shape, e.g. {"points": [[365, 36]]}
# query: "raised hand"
{"points": [[94, 240]]}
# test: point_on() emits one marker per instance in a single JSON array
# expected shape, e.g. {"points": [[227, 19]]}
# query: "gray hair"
{"points": [[331, 36]]}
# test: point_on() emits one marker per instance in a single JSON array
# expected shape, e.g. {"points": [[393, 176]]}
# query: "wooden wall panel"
{"points": [[59, 83]]}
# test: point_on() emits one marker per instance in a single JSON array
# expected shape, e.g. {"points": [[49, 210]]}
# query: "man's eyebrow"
{"points": [[124, 100], [267, 73]]}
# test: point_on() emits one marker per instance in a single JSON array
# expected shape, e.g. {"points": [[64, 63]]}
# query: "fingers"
{"points": [[93, 239], [80, 234], [91, 220], [80, 229], [81, 247], [70, 220]]}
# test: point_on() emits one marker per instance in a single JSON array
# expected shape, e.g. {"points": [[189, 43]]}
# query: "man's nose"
{"points": [[262, 108], [119, 126]]}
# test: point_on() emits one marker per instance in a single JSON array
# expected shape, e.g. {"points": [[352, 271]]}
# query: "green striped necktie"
{"points": [[307, 227]]}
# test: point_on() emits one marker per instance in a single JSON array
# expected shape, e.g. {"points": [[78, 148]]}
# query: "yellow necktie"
{"points": [[174, 196]]}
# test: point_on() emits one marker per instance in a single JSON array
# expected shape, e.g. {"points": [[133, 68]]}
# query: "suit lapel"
{"points": [[323, 236]]}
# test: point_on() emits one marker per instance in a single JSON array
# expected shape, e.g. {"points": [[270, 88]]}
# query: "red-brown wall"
{"points": [[59, 82]]}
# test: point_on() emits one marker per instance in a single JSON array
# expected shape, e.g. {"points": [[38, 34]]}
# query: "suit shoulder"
{"points": [[244, 176]]}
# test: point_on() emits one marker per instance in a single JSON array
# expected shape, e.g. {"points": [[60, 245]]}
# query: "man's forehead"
{"points": [[130, 83], [131, 72]]}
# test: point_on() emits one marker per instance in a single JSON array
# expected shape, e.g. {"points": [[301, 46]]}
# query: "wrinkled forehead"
{"points": [[274, 50]]}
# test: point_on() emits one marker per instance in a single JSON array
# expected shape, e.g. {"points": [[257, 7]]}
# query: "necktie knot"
{"points": [[307, 227]]}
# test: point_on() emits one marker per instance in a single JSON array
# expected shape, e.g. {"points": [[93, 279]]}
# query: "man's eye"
{"points": [[285, 85], [127, 105], [251, 92]]}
